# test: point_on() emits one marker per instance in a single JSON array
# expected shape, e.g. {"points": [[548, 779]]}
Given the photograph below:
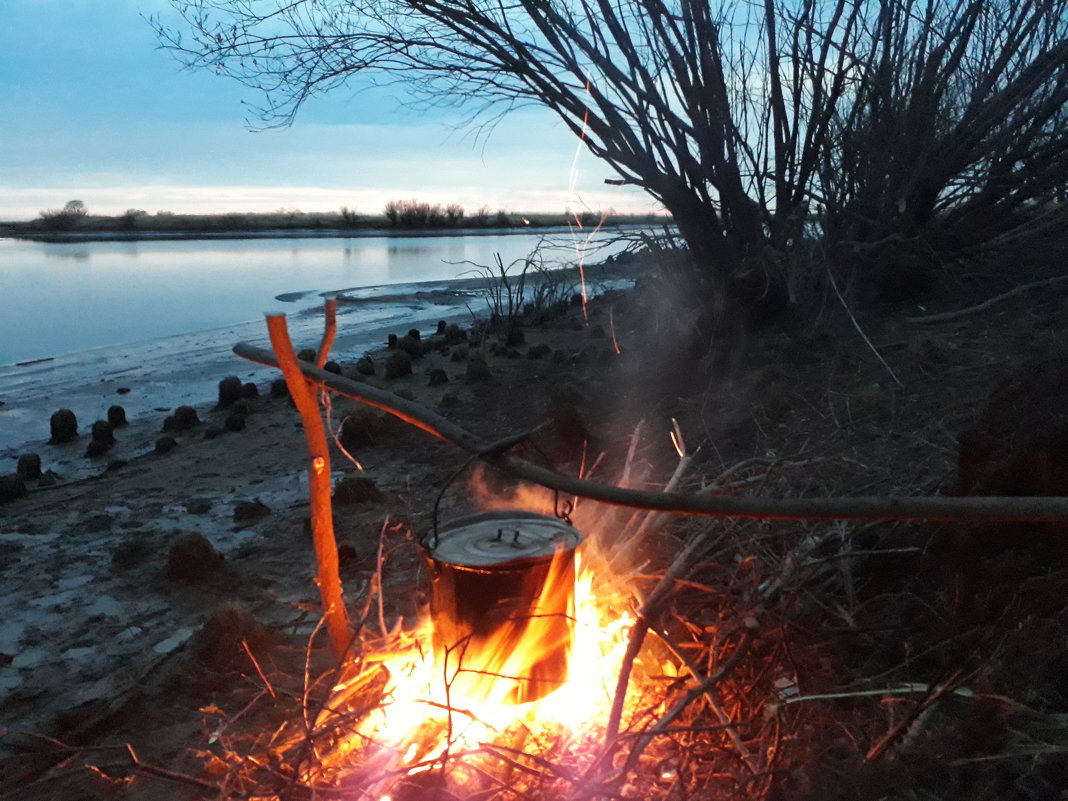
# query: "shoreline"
{"points": [[13, 231], [161, 374]]}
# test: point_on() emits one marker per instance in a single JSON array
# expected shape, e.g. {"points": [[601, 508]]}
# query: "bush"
{"points": [[417, 214], [64, 219]]}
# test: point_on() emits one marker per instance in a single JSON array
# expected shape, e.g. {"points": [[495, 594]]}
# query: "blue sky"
{"points": [[90, 109]]}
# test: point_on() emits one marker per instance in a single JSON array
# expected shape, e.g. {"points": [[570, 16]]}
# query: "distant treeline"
{"points": [[74, 218]]}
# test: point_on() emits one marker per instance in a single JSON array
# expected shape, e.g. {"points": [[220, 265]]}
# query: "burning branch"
{"points": [[652, 607], [983, 509]]}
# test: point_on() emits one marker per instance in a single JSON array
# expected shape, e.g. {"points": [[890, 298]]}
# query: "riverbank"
{"points": [[162, 373]]}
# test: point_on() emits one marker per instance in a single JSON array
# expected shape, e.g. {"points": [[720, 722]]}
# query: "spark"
{"points": [[612, 326], [676, 438]]}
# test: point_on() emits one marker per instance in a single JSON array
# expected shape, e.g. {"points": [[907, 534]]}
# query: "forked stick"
{"points": [[329, 329], [322, 519]]}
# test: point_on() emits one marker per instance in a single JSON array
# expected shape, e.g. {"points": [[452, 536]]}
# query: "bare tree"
{"points": [[952, 133], [754, 123]]}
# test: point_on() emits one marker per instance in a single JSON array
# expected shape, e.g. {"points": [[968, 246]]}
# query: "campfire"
{"points": [[509, 676], [529, 673]]}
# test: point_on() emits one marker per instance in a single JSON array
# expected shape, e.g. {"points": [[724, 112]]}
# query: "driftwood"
{"points": [[980, 509]]}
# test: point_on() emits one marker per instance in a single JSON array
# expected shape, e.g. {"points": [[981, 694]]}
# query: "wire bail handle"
{"points": [[562, 508]]}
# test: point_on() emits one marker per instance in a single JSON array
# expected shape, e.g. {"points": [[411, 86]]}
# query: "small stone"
{"points": [[191, 557], [185, 417], [123, 390], [398, 364], [391, 341], [103, 432], [514, 336], [454, 335], [346, 555], [222, 644], [449, 399], [212, 431], [116, 464], [438, 377], [332, 367], [11, 487], [354, 490], [64, 426], [116, 416], [250, 390], [361, 426], [477, 369], [250, 510], [230, 390], [29, 466], [413, 347], [166, 444], [365, 366], [307, 355], [441, 328], [279, 388], [414, 334], [235, 422]]}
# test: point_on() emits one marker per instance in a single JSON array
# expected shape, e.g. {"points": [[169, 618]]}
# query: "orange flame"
{"points": [[473, 689]]}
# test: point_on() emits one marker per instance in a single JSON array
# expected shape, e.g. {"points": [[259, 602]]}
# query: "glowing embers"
{"points": [[503, 605]]}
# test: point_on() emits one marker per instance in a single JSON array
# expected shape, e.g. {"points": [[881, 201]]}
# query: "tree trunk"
{"points": [[730, 268]]}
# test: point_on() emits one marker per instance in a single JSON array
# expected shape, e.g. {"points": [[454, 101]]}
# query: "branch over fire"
{"points": [[986, 509]]}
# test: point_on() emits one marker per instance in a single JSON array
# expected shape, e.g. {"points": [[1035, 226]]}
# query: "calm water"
{"points": [[151, 324], [68, 297]]}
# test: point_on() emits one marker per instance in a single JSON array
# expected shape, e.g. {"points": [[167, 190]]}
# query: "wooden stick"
{"points": [[651, 608], [979, 509], [322, 519], [329, 329], [986, 304]]}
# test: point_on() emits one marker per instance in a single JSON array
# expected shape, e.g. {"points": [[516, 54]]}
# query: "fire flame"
{"points": [[438, 705]]}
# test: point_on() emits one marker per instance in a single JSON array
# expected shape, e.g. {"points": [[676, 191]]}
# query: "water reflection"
{"points": [[70, 255], [181, 286]]}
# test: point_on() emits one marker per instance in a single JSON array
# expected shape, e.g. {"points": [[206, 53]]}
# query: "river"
{"points": [[82, 320]]}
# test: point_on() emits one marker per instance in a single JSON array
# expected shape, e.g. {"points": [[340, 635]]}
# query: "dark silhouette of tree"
{"points": [[756, 124], [64, 219]]}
